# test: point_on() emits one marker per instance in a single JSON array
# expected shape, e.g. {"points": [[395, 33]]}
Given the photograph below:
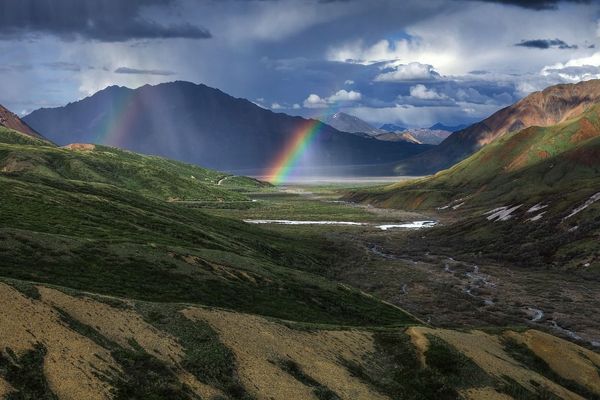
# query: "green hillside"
{"points": [[98, 220], [131, 289], [35, 161], [11, 136], [556, 168]]}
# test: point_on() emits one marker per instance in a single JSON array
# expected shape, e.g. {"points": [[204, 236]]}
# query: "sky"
{"points": [[410, 62]]}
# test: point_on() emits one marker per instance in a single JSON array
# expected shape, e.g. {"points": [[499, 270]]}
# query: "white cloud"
{"points": [[341, 96], [276, 106], [408, 72], [314, 101], [296, 106], [458, 40], [576, 69], [421, 92], [349, 82]]}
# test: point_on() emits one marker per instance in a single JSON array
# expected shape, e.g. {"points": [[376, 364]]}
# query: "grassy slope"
{"points": [[81, 220], [8, 135], [71, 218], [147, 175], [558, 166], [225, 355]]}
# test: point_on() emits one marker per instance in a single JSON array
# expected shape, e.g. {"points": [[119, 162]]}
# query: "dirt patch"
{"points": [[72, 361], [80, 147], [259, 345], [567, 359], [14, 164], [543, 154]]}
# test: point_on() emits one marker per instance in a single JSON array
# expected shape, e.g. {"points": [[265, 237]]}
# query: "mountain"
{"points": [[392, 128], [204, 126], [441, 127], [348, 123], [109, 291], [534, 191], [400, 136], [434, 135], [10, 120], [128, 276], [548, 107], [429, 136]]}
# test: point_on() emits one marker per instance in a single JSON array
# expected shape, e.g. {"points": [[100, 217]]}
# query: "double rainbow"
{"points": [[282, 167]]}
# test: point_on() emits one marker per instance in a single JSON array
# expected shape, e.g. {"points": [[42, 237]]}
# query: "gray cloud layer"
{"points": [[412, 62], [102, 20]]}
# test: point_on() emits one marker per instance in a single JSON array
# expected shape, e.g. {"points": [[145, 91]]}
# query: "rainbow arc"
{"points": [[300, 142]]}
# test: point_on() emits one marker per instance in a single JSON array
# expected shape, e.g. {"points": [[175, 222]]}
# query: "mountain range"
{"points": [[201, 125], [125, 276], [433, 135], [548, 107], [425, 135], [532, 186], [388, 132]]}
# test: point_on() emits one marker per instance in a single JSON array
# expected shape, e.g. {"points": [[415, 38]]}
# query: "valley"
{"points": [[131, 276], [299, 200], [426, 279]]}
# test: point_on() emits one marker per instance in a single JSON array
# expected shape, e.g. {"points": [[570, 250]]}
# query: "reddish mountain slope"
{"points": [[10, 120], [548, 107]]}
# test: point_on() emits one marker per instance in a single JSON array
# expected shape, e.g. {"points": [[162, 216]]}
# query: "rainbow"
{"points": [[117, 124], [282, 167]]}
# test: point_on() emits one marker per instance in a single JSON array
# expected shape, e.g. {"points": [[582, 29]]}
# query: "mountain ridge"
{"points": [[544, 108], [10, 120], [202, 125]]}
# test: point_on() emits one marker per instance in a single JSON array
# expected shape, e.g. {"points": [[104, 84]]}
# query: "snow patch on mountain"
{"points": [[502, 213], [585, 205]]}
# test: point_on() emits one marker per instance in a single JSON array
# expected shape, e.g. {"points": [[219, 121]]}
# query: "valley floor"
{"points": [[432, 285], [205, 307]]}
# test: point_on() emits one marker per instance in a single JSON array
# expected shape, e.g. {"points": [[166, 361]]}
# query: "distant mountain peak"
{"points": [[349, 123]]}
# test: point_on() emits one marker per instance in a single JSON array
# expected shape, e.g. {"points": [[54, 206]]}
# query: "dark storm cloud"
{"points": [[126, 70], [102, 20], [546, 44], [535, 4]]}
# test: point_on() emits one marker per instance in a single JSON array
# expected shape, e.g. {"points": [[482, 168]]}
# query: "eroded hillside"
{"points": [[64, 344]]}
